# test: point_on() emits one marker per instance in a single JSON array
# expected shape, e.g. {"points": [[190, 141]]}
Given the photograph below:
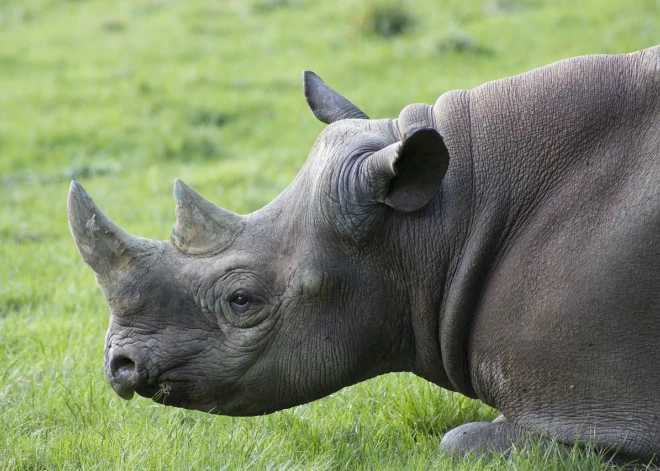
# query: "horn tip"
{"points": [[78, 201], [185, 194], [83, 216], [77, 189], [180, 184], [181, 190]]}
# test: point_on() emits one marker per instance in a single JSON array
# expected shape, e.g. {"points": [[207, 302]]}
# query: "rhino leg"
{"points": [[480, 438]]}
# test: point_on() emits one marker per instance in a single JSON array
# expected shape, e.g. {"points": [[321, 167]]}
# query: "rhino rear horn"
{"points": [[327, 105], [201, 226], [102, 244]]}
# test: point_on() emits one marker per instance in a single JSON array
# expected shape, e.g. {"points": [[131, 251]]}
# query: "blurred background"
{"points": [[124, 96]]}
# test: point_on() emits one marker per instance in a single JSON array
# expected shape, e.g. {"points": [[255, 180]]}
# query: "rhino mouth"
{"points": [[186, 395], [150, 392], [166, 392]]}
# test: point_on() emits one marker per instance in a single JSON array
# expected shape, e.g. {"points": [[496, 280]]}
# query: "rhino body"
{"points": [[503, 243]]}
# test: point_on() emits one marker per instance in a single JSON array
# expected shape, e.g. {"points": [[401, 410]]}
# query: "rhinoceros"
{"points": [[503, 243]]}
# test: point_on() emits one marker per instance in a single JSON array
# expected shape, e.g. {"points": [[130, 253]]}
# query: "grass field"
{"points": [[125, 96]]}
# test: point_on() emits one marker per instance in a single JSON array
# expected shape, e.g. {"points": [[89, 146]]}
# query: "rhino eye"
{"points": [[240, 303]]}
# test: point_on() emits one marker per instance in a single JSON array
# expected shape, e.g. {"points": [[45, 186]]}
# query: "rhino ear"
{"points": [[406, 175], [103, 245], [202, 227], [327, 105]]}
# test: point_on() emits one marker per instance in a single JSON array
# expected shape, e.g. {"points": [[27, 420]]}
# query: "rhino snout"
{"points": [[124, 374]]}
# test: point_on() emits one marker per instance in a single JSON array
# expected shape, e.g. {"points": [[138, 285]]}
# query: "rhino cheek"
{"points": [[213, 376], [257, 370]]}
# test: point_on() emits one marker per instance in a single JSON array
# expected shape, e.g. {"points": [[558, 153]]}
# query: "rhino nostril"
{"points": [[124, 374], [122, 366]]}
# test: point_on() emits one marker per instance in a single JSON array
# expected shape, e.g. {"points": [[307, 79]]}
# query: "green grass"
{"points": [[127, 95]]}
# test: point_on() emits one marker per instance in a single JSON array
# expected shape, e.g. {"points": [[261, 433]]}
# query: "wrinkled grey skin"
{"points": [[525, 274]]}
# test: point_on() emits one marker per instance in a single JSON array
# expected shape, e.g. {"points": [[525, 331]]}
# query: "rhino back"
{"points": [[565, 330]]}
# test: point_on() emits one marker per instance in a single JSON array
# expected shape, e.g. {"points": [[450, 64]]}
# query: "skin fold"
{"points": [[503, 243]]}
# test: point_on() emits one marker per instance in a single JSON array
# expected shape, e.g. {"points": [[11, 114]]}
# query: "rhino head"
{"points": [[245, 315]]}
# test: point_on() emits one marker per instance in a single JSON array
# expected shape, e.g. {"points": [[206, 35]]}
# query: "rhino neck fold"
{"points": [[464, 260], [442, 322], [461, 305], [465, 241]]}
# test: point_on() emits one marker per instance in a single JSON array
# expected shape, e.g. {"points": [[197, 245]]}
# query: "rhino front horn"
{"points": [[102, 244], [201, 226]]}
